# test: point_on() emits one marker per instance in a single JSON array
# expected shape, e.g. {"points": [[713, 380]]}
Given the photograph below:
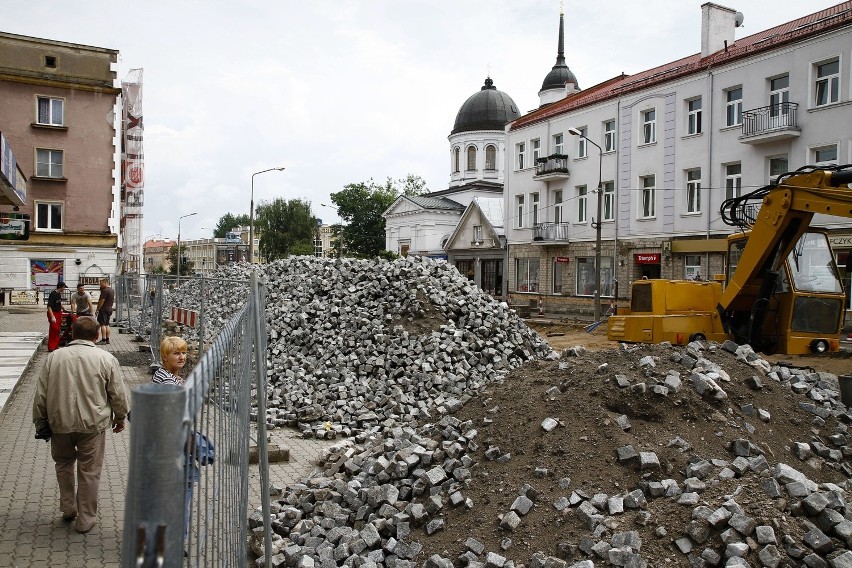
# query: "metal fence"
{"points": [[187, 494]]}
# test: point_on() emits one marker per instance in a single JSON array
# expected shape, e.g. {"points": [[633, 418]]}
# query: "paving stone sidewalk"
{"points": [[31, 530]]}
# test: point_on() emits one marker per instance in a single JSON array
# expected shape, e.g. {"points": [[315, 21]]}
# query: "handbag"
{"points": [[205, 452]]}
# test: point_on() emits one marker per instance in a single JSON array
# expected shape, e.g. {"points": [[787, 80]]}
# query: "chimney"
{"points": [[717, 28]]}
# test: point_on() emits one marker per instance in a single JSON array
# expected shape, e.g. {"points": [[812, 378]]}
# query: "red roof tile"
{"points": [[824, 20]]}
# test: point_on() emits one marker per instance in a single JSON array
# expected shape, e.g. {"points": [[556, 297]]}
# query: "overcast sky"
{"points": [[341, 92]]}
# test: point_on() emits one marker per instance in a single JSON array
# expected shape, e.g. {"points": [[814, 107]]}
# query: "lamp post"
{"points": [[178, 243], [251, 213], [596, 225]]}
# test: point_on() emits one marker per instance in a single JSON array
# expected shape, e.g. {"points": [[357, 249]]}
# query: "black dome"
{"points": [[558, 76], [489, 109]]}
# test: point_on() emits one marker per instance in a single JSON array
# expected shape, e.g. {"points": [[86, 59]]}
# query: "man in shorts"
{"points": [[104, 309]]}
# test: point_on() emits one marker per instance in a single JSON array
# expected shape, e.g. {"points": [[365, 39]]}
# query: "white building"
{"points": [[674, 141], [424, 224]]}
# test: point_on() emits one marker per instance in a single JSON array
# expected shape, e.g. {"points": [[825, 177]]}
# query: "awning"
{"points": [[699, 245]]}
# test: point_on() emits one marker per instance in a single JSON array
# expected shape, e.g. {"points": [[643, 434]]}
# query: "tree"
{"points": [[284, 225], [360, 206], [227, 222], [186, 266]]}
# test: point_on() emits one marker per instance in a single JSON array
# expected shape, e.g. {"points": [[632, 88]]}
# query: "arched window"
{"points": [[490, 157], [471, 158], [456, 160]]}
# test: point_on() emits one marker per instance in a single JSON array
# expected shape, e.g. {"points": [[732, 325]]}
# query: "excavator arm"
{"points": [[784, 216]]}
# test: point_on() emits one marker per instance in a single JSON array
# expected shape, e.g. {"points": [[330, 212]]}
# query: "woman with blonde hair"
{"points": [[173, 357]]}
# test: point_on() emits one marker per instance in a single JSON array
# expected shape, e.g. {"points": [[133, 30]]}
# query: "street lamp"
{"points": [[251, 212], [596, 225], [178, 243]]}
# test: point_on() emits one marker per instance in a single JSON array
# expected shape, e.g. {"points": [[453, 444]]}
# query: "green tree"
{"points": [[286, 227], [360, 206], [228, 221], [186, 266]]}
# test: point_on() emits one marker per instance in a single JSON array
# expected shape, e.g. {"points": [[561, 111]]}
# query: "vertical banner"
{"points": [[132, 172]]}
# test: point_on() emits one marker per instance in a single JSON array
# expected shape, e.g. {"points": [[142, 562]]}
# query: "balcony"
{"points": [[554, 166], [548, 233], [770, 124]]}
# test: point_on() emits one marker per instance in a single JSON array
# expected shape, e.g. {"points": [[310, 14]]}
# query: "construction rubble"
{"points": [[466, 441]]}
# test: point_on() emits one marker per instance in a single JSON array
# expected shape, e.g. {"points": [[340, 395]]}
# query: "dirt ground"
{"points": [[580, 453]]}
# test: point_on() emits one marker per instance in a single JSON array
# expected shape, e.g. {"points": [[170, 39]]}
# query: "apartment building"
{"points": [[651, 156], [155, 254], [57, 100]]}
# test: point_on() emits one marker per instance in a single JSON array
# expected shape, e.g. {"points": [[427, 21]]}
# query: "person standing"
{"points": [[54, 316], [81, 302], [173, 357], [80, 394], [104, 309]]}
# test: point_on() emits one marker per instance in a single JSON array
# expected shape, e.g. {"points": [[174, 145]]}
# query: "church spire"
{"points": [[560, 82]]}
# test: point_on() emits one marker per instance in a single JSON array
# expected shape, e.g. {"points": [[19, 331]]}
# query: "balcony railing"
{"points": [[781, 118], [553, 164], [550, 232]]}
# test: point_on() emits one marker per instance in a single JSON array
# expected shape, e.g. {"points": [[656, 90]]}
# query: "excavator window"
{"points": [[812, 266]]}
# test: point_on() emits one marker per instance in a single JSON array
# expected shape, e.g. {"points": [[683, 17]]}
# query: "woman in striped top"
{"points": [[173, 357]]}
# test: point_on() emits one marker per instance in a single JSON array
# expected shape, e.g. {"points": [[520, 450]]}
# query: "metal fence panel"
{"points": [[203, 520]]}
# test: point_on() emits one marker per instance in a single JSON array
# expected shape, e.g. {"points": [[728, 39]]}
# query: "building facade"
{"points": [[652, 156], [156, 255], [56, 97]]}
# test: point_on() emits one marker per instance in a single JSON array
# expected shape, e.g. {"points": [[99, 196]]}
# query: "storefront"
{"points": [[647, 264]]}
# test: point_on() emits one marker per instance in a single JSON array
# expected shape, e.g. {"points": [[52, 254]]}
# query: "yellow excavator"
{"points": [[781, 292]]}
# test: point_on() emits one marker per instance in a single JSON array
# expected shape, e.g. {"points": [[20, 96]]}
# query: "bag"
{"points": [[205, 452]]}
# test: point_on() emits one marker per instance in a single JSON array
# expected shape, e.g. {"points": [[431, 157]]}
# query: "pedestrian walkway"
{"points": [[31, 530]]}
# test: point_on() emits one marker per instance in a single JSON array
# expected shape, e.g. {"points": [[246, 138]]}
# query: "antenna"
{"points": [[738, 19]]}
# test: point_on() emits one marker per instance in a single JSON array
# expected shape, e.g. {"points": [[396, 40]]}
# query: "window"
{"points": [[534, 201], [471, 158], [536, 150], [48, 216], [50, 111], [48, 163], [779, 96], [557, 206], [649, 197], [827, 83], [457, 160], [733, 181], [404, 247], [490, 157], [609, 136], [777, 166], [465, 268], [558, 275], [50, 61], [734, 107], [608, 200], [519, 208], [582, 194], [582, 143], [520, 150], [586, 276], [825, 155], [692, 269], [558, 144], [477, 233], [693, 191], [527, 274], [649, 126], [693, 120]]}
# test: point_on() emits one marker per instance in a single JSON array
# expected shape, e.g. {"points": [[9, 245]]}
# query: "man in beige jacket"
{"points": [[80, 394]]}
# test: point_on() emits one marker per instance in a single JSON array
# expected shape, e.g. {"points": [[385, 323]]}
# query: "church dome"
{"points": [[489, 109], [558, 76]]}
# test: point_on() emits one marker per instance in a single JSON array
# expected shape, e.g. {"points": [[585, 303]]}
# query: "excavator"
{"points": [[781, 292]]}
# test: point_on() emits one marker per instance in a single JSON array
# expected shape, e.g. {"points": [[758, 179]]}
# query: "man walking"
{"points": [[80, 394], [104, 309], [54, 316]]}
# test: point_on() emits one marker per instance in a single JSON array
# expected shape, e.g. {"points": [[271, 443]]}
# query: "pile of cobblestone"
{"points": [[359, 346], [379, 502]]}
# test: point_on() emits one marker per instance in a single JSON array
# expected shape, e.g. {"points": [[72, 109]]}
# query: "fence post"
{"points": [[201, 318], [258, 297], [157, 318], [154, 507]]}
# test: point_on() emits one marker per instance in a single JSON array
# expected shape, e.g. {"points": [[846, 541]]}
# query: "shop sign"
{"points": [[91, 280], [562, 259], [23, 298], [647, 258]]}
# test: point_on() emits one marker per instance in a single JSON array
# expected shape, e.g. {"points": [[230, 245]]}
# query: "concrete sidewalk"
{"points": [[31, 530]]}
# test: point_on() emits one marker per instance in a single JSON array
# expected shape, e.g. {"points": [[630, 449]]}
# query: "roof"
{"points": [[772, 38], [488, 109], [427, 202], [492, 208]]}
